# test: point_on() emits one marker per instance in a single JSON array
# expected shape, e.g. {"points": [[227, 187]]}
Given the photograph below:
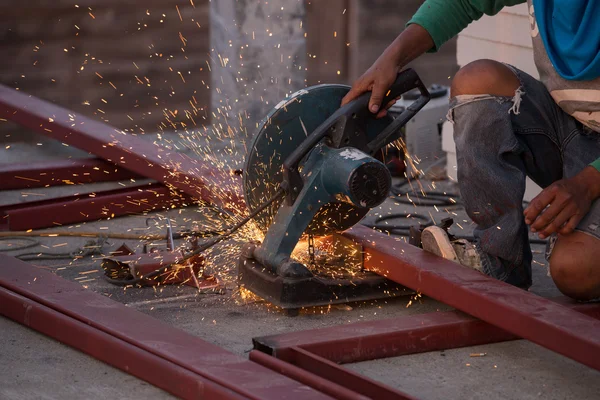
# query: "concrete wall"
{"points": [[258, 58], [123, 61], [378, 23]]}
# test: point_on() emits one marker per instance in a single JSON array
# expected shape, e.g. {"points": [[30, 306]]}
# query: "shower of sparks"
{"points": [[215, 145]]}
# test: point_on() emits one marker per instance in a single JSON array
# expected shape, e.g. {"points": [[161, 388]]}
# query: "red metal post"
{"points": [[332, 372], [306, 377], [134, 329], [127, 151], [163, 374], [89, 207], [61, 172], [370, 340], [517, 311]]}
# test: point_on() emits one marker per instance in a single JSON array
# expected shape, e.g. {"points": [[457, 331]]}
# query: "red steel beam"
{"points": [[61, 172], [88, 207], [411, 334], [102, 346], [125, 150], [334, 373], [308, 378], [517, 311], [137, 330]]}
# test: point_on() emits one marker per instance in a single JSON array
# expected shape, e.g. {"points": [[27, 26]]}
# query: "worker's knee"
{"points": [[484, 77], [574, 269]]}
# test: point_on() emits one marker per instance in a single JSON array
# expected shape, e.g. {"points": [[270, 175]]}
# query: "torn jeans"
{"points": [[501, 140]]}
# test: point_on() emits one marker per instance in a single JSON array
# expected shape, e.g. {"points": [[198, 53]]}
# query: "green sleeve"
{"points": [[444, 19], [596, 164]]}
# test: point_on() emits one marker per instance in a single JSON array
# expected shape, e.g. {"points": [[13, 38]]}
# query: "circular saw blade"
{"points": [[285, 127]]}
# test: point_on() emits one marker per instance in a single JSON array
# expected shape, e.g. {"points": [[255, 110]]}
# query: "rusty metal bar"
{"points": [[517, 311], [303, 376], [104, 347], [89, 207], [124, 150], [370, 340], [61, 172], [134, 329], [334, 373]]}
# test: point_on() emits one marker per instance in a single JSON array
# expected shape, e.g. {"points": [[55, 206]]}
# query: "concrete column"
{"points": [[258, 57]]}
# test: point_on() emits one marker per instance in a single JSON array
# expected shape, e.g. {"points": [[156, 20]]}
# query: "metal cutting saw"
{"points": [[314, 169]]}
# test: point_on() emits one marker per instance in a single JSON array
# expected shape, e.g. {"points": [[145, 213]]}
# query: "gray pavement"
{"points": [[510, 370], [34, 366]]}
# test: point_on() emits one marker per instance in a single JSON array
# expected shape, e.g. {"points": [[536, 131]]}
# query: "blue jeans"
{"points": [[501, 140]]}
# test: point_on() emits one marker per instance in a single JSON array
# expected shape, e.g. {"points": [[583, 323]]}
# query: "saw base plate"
{"points": [[322, 289], [294, 294]]}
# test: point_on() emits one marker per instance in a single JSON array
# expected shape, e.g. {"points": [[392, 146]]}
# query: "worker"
{"points": [[509, 125]]}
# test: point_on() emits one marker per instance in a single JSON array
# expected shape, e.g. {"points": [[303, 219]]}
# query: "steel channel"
{"points": [[332, 372], [88, 207], [303, 376], [136, 329], [61, 172], [371, 340], [201, 181], [161, 373], [517, 311]]}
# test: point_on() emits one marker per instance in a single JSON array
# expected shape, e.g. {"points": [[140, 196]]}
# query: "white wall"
{"points": [[504, 37]]}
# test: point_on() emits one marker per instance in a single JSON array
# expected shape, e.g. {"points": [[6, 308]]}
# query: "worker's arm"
{"points": [[562, 205], [435, 22]]}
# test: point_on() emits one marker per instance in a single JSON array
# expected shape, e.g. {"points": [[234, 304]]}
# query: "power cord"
{"points": [[421, 198]]}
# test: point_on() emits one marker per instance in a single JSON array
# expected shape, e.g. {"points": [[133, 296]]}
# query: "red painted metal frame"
{"points": [[164, 374], [301, 375], [127, 339], [88, 207], [61, 172], [124, 150], [342, 376], [319, 350], [370, 340], [327, 376], [517, 311]]}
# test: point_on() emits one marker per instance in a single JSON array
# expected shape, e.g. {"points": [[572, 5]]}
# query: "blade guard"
{"points": [[343, 130]]}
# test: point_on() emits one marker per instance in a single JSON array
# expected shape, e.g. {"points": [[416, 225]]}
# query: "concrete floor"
{"points": [[34, 366], [511, 370]]}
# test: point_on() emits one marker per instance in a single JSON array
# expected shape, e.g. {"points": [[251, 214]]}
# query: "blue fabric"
{"points": [[570, 30]]}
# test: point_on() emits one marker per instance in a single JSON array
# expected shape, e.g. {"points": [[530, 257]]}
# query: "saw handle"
{"points": [[405, 81]]}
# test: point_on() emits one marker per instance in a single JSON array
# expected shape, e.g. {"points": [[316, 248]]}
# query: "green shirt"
{"points": [[444, 19]]}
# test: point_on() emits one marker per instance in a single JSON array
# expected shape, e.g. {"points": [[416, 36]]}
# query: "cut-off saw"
{"points": [[313, 169]]}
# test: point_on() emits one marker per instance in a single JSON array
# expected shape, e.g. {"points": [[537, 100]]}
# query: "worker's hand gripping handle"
{"points": [[405, 81]]}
